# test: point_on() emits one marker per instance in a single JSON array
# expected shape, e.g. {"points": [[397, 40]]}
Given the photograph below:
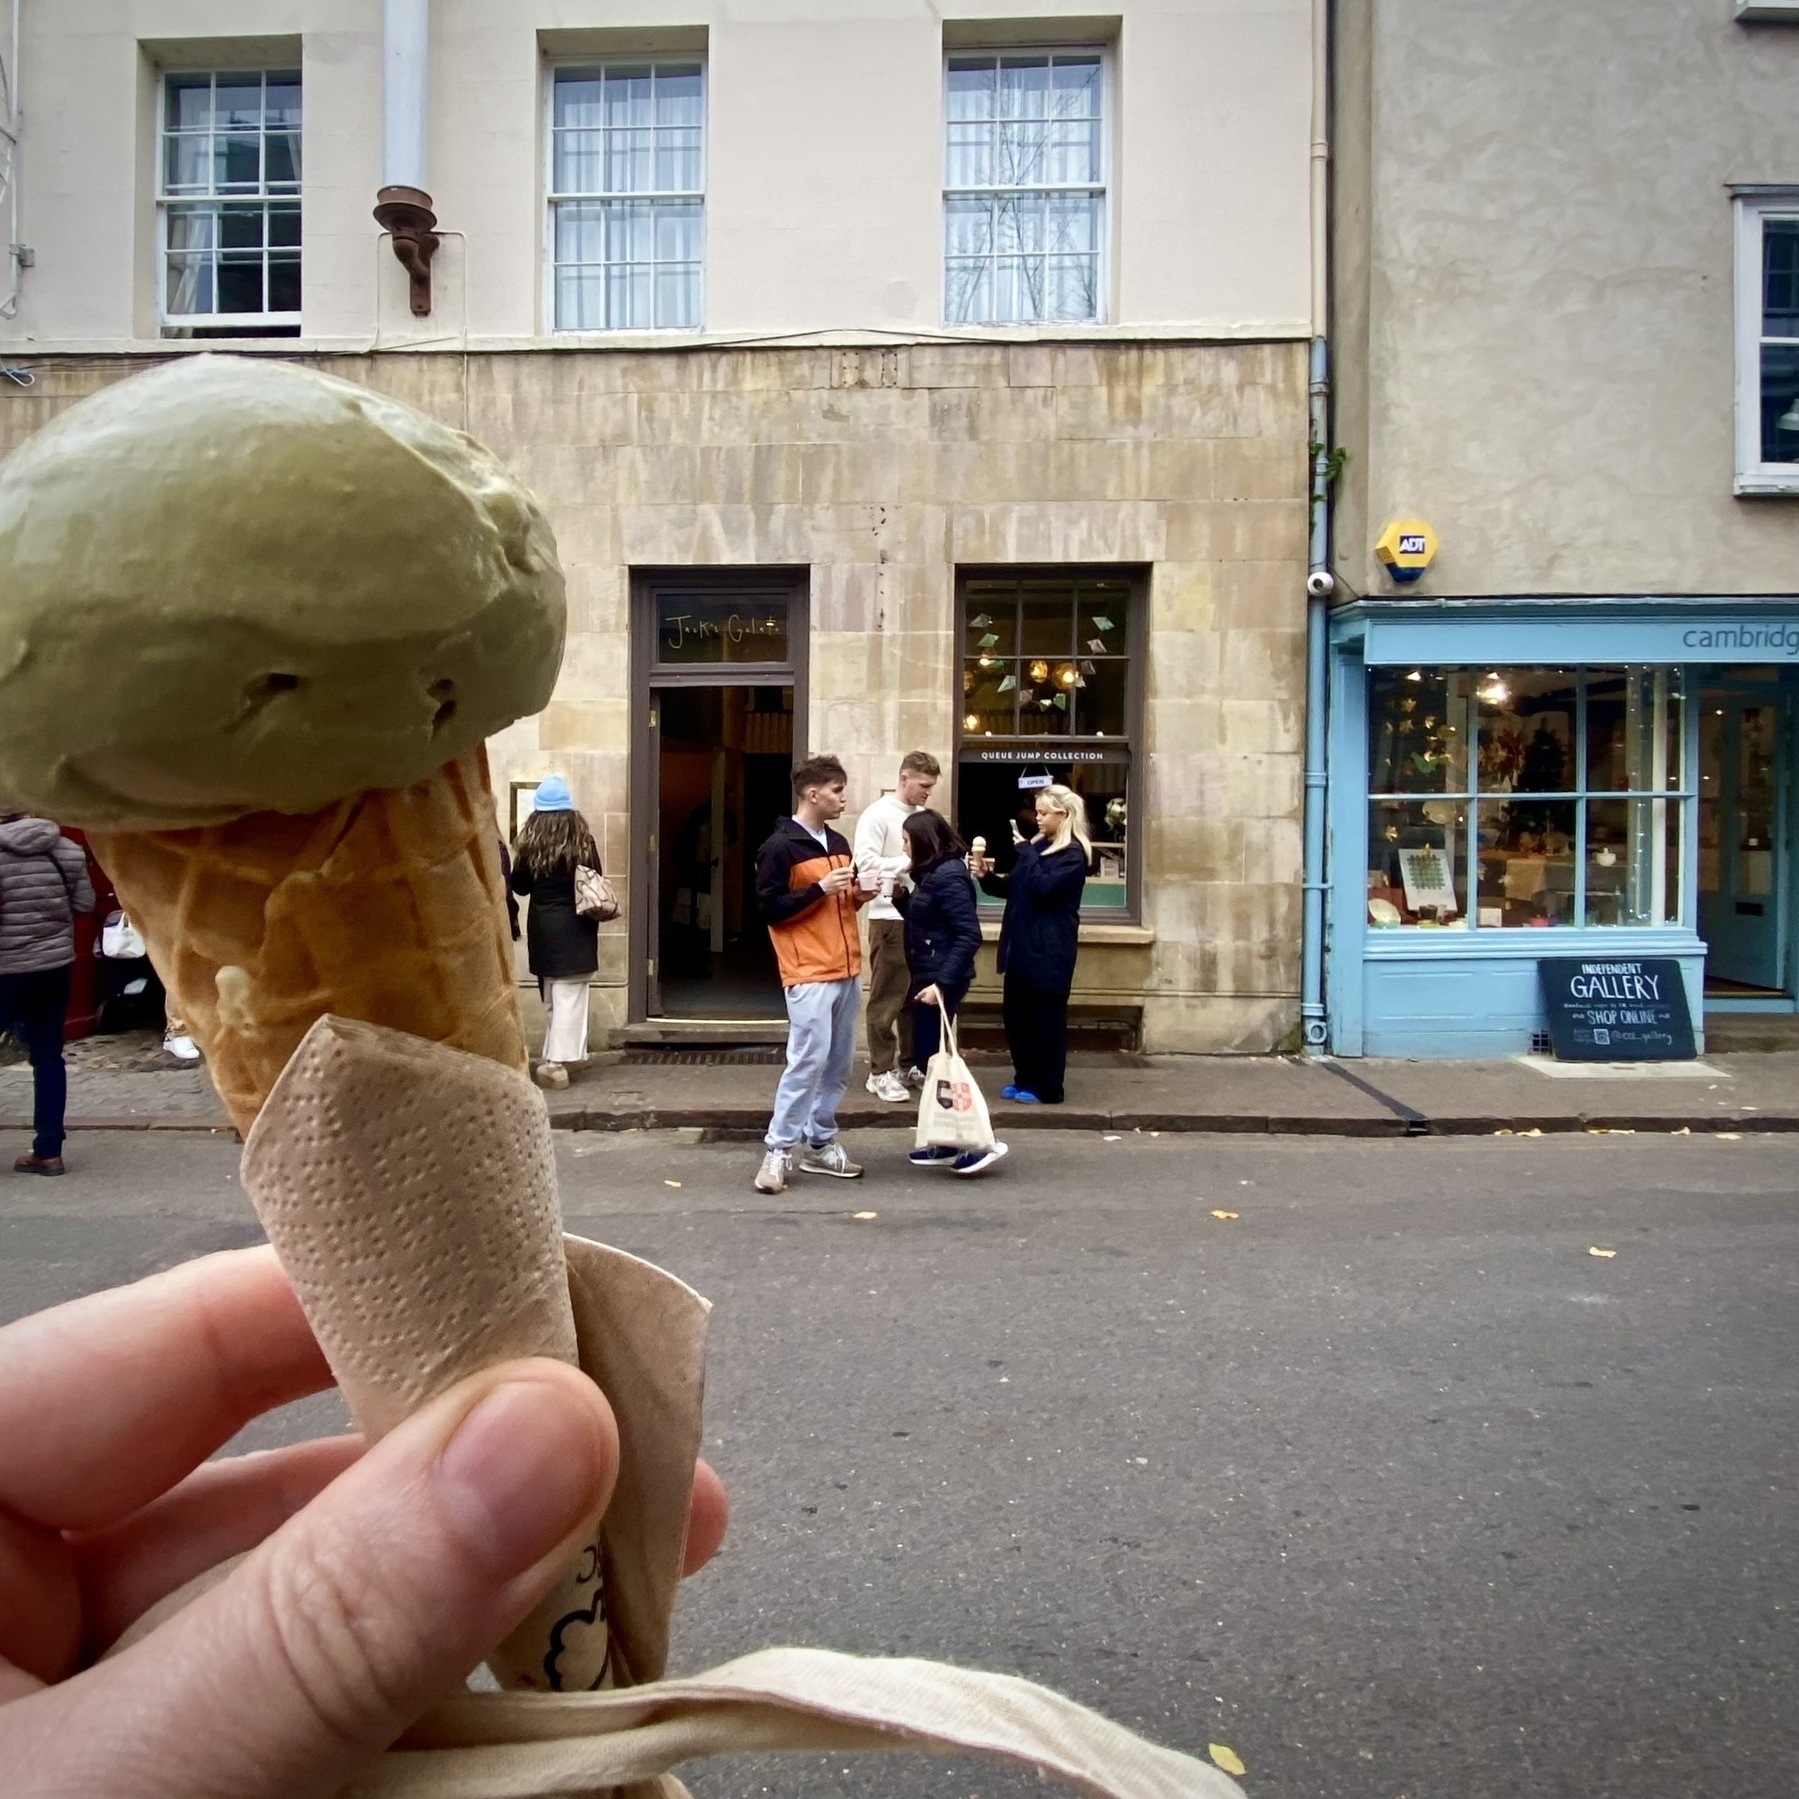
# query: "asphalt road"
{"points": [[1385, 1482]]}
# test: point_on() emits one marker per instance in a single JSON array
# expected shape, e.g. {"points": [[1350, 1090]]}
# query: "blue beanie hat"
{"points": [[552, 795]]}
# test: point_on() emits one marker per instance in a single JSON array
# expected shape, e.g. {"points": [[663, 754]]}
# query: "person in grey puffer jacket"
{"points": [[43, 884]]}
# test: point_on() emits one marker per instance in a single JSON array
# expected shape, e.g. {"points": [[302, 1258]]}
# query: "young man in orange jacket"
{"points": [[808, 894]]}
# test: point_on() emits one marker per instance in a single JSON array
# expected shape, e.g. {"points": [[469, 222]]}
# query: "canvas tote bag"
{"points": [[952, 1114]]}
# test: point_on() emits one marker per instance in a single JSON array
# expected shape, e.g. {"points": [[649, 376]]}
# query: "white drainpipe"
{"points": [[405, 62], [403, 206], [17, 256]]}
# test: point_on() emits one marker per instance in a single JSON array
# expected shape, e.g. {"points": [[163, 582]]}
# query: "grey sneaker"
{"points": [[832, 1159], [771, 1177], [889, 1086], [914, 1077]]}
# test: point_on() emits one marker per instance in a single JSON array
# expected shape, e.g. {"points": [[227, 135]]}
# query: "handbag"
{"points": [[594, 897], [952, 1113], [120, 940]]}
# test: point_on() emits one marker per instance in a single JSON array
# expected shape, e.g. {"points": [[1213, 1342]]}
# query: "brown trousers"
{"points": [[889, 982]]}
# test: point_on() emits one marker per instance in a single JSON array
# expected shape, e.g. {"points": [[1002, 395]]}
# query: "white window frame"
{"points": [[1753, 208], [1103, 229], [567, 65], [167, 203]]}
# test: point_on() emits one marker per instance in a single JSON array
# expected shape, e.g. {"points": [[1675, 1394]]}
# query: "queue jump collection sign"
{"points": [[1617, 1011]]}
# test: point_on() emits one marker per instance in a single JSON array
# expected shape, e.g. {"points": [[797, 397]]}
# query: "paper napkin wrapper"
{"points": [[410, 1192]]}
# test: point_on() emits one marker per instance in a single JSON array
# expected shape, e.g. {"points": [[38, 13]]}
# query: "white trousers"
{"points": [[565, 1038]]}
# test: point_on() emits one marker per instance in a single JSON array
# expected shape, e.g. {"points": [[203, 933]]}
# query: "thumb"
{"points": [[360, 1612]]}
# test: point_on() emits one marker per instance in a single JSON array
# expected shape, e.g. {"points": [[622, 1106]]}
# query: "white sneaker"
{"points": [[889, 1086], [914, 1077], [832, 1159], [771, 1177], [552, 1075], [181, 1047]]}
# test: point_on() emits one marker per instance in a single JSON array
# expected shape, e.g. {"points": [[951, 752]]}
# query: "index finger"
{"points": [[108, 1401]]}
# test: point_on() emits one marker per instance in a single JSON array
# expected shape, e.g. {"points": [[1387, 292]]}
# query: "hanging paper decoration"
{"points": [[1008, 684], [979, 620], [1059, 701], [1104, 624], [1097, 645], [988, 640]]}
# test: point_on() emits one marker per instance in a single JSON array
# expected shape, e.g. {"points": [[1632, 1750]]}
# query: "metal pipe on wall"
{"points": [[1314, 1026], [405, 65], [15, 256], [403, 207]]}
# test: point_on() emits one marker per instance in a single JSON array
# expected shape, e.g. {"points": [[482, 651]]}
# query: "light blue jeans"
{"points": [[821, 1044]]}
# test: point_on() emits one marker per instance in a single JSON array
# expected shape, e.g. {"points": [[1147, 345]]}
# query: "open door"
{"points": [[719, 690], [724, 762], [1743, 847]]}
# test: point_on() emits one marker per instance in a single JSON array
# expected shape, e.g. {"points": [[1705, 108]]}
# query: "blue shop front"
{"points": [[1515, 779]]}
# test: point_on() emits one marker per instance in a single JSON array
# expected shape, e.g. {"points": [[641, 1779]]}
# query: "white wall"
{"points": [[1534, 331], [824, 149]]}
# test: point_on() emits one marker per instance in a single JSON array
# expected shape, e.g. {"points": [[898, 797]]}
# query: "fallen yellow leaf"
{"points": [[1228, 1759], [867, 1214], [1218, 1214], [1728, 1136], [1607, 1253], [1534, 1131], [671, 1183]]}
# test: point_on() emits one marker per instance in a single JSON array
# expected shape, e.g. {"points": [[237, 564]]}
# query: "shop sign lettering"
{"points": [[1616, 1011], [1778, 639], [686, 633]]}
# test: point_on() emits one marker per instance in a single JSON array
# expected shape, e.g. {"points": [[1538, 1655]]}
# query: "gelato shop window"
{"points": [[1520, 798], [1050, 692]]}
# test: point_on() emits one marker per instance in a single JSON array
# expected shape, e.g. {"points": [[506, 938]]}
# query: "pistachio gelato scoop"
{"points": [[235, 585]]}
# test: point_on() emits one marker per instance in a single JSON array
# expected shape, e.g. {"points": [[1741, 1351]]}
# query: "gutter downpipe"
{"points": [[403, 206], [9, 306], [1314, 1026]]}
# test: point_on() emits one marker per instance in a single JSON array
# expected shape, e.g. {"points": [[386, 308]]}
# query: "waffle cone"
{"points": [[386, 907]]}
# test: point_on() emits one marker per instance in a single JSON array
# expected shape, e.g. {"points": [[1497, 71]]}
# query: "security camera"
{"points": [[1321, 584]]}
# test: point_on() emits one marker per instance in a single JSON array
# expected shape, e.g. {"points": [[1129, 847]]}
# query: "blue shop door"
{"points": [[1743, 849]]}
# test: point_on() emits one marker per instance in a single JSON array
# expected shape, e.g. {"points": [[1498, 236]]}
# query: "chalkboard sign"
{"points": [[1617, 1010]]}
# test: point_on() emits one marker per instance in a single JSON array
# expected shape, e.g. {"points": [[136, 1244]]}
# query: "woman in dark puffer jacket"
{"points": [[943, 932]]}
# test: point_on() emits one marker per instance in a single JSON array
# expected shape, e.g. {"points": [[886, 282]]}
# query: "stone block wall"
{"points": [[883, 470]]}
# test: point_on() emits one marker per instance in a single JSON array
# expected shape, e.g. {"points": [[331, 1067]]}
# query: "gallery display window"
{"points": [[1051, 675], [1519, 798]]}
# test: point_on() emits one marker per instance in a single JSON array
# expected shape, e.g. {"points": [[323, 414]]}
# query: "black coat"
{"points": [[560, 944], [1039, 935], [943, 929]]}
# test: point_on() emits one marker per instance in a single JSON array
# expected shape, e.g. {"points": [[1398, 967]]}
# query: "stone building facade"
{"points": [[869, 464]]}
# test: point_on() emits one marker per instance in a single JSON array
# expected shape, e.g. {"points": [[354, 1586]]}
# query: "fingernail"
{"points": [[520, 1474]]}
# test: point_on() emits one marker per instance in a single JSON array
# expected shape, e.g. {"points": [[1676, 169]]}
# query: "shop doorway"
{"points": [[1745, 739], [718, 702], [724, 757]]}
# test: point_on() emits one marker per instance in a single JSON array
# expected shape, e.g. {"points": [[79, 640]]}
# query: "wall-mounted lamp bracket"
{"points": [[406, 213]]}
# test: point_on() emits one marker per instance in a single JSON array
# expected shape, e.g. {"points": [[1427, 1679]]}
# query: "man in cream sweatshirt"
{"points": [[882, 861]]}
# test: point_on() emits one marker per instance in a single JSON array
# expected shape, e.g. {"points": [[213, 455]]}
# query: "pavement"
{"points": [[126, 1084], [1348, 1455]]}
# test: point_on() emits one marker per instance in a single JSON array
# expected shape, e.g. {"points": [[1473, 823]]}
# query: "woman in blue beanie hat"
{"points": [[563, 947]]}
